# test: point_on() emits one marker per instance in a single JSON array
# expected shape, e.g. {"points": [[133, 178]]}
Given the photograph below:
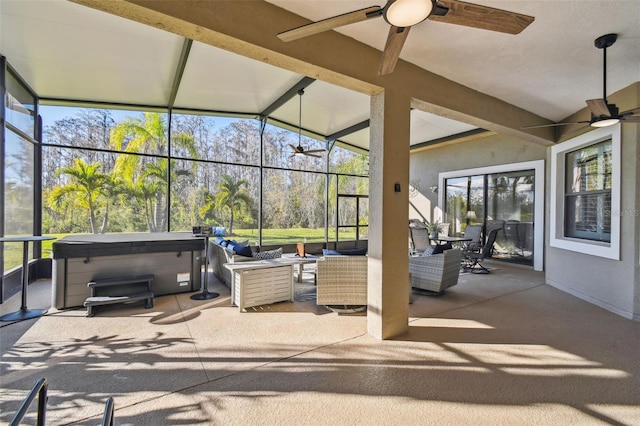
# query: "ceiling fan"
{"points": [[603, 113], [299, 150], [403, 14]]}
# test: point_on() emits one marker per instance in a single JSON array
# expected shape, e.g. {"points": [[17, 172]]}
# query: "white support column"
{"points": [[388, 288]]}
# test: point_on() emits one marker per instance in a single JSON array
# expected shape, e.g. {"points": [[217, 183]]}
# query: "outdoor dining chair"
{"points": [[472, 260], [474, 233], [419, 240]]}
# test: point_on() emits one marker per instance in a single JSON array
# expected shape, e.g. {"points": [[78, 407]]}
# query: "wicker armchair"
{"points": [[341, 280], [435, 273]]}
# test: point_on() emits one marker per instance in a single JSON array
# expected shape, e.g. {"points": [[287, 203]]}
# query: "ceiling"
{"points": [[68, 51]]}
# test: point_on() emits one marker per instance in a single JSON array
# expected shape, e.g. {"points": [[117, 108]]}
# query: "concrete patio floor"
{"points": [[498, 349]]}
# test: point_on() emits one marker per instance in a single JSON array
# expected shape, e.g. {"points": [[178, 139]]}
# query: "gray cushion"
{"points": [[428, 251], [268, 254]]}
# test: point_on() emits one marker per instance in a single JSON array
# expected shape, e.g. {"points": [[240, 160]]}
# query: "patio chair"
{"points": [[474, 232], [434, 274], [341, 280], [419, 240], [444, 230], [472, 261]]}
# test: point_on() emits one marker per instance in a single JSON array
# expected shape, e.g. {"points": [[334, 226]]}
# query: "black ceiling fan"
{"points": [[403, 14], [299, 150], [603, 113]]}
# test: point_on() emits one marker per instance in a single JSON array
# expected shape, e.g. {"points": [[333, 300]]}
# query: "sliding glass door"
{"points": [[503, 201]]}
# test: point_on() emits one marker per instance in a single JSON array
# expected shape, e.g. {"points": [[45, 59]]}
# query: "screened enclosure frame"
{"points": [[37, 141]]}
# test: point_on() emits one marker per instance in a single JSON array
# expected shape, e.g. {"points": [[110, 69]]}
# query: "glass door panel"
{"points": [[464, 203], [510, 208], [503, 201]]}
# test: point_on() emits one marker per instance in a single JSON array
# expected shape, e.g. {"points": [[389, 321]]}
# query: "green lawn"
{"points": [[285, 236], [13, 251], [289, 236]]}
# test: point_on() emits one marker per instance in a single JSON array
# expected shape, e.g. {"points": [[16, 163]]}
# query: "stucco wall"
{"points": [[490, 150], [611, 284]]}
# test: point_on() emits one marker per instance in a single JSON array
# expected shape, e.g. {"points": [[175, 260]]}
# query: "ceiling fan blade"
{"points": [[293, 147], [312, 155], [630, 112], [395, 40], [599, 107], [632, 119], [483, 17], [330, 23], [314, 150], [538, 126]]}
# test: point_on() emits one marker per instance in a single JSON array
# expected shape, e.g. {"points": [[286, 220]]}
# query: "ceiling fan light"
{"points": [[605, 122], [405, 13]]}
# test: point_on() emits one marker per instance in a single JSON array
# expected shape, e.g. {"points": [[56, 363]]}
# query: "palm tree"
{"points": [[114, 188], [148, 181], [155, 176], [208, 209], [87, 189], [231, 196]]}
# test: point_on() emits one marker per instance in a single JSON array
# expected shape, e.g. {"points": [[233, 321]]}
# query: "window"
{"points": [[585, 193], [588, 192]]}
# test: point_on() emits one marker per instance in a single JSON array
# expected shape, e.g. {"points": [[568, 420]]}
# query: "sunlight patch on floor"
{"points": [[452, 323]]}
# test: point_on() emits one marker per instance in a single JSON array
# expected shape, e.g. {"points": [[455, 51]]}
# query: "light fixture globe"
{"points": [[405, 13], [605, 122]]}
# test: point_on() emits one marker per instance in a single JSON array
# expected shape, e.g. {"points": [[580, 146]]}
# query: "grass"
{"points": [[13, 251], [290, 235], [287, 236]]}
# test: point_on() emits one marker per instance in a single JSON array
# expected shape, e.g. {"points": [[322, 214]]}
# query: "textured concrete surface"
{"points": [[502, 348]]}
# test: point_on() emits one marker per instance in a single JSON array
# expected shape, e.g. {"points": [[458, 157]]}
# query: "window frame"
{"points": [[558, 207]]}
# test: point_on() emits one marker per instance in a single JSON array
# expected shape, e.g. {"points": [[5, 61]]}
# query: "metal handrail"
{"points": [[107, 418], [40, 388]]}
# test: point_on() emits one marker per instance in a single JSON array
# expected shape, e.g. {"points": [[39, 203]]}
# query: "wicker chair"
{"points": [[435, 273], [342, 280]]}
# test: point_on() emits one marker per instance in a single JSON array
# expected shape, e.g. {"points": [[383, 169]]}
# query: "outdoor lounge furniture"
{"points": [[218, 256], [435, 273], [342, 280], [473, 260], [474, 234], [419, 240]]}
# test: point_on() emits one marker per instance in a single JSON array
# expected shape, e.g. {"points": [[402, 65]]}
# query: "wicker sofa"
{"points": [[342, 280], [435, 273], [218, 256]]}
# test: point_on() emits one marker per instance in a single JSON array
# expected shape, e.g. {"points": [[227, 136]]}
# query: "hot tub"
{"points": [[174, 259]]}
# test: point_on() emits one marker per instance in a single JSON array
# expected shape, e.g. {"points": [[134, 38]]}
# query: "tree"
{"points": [[231, 196], [87, 190], [147, 180]]}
